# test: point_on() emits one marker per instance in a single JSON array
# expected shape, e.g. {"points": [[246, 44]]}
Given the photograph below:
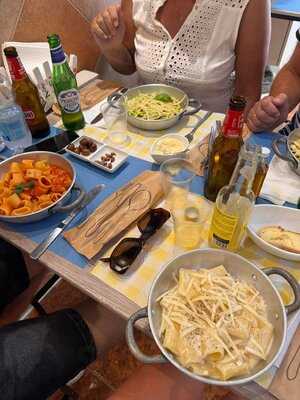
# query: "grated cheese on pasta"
{"points": [[215, 325]]}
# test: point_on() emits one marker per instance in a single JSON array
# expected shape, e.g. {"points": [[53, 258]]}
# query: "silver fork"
{"points": [[190, 136]]}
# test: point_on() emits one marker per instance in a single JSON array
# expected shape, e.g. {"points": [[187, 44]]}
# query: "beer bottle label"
{"points": [[16, 68], [233, 123], [69, 101], [29, 115], [58, 55]]}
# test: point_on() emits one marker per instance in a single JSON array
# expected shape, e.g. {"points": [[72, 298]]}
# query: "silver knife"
{"points": [[42, 247], [100, 115]]}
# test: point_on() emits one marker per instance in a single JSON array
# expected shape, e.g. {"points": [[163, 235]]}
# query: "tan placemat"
{"points": [[116, 214]]}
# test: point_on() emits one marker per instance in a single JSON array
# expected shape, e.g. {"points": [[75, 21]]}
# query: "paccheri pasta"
{"points": [[30, 186], [215, 325]]}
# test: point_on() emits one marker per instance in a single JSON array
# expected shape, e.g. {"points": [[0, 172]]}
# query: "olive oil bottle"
{"points": [[234, 204]]}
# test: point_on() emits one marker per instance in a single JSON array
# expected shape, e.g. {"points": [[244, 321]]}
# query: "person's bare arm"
{"points": [[252, 49], [288, 80], [273, 110], [114, 32]]}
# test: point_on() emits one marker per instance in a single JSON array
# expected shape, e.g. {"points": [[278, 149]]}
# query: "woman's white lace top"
{"points": [[200, 59]]}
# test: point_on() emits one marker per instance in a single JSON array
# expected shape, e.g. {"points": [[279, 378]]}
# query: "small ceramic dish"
{"points": [[108, 158], [77, 143], [161, 149]]}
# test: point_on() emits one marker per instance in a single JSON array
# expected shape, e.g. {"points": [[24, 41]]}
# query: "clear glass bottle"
{"points": [[234, 204], [13, 128], [262, 170]]}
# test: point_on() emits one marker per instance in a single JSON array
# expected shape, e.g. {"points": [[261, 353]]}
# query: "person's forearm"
{"points": [[288, 82], [120, 59]]}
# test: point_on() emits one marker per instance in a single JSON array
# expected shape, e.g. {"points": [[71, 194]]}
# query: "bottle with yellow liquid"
{"points": [[234, 204]]}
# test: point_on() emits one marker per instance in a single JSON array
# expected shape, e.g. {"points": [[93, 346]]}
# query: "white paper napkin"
{"points": [[281, 183]]}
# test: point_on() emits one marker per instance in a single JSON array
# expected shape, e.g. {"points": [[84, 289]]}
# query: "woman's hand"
{"points": [[268, 113], [114, 31], [108, 28]]}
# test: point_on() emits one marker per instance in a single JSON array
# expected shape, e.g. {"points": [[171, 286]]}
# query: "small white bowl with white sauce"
{"points": [[169, 146]]}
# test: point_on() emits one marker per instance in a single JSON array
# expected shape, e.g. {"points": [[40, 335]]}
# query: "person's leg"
{"points": [[13, 273], [39, 356]]}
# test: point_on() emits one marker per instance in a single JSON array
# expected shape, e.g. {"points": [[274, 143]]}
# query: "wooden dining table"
{"points": [[62, 259]]}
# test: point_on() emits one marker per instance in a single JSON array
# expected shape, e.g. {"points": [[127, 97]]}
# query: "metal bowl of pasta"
{"points": [[216, 317], [156, 107], [35, 185], [291, 152]]}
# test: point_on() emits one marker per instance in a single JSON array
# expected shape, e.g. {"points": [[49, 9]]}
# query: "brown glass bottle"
{"points": [[26, 95], [225, 150]]}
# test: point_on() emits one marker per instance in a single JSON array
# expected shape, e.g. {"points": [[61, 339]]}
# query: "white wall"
{"points": [[283, 41], [291, 43]]}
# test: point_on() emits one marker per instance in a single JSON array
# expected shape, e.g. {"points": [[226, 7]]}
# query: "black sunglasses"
{"points": [[128, 249]]}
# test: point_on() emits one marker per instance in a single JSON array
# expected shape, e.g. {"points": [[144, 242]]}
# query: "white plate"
{"points": [[268, 215]]}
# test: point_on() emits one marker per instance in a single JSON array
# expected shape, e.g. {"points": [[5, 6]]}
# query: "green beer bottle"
{"points": [[65, 87]]}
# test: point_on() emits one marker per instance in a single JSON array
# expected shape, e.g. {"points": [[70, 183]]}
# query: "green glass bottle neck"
{"points": [[57, 52]]}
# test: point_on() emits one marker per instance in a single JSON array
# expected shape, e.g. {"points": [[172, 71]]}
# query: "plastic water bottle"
{"points": [[13, 128]]}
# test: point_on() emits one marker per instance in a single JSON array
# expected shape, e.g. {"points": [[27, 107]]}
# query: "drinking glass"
{"points": [[176, 176], [189, 212], [115, 120]]}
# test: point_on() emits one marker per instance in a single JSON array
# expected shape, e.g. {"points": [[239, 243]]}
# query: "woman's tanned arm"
{"points": [[114, 32]]}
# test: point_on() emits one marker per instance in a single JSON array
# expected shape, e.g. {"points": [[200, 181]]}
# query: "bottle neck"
{"points": [[16, 68], [233, 123], [58, 55], [244, 173]]}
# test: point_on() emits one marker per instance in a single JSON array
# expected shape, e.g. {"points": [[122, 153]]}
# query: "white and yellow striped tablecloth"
{"points": [[160, 249], [141, 141]]}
